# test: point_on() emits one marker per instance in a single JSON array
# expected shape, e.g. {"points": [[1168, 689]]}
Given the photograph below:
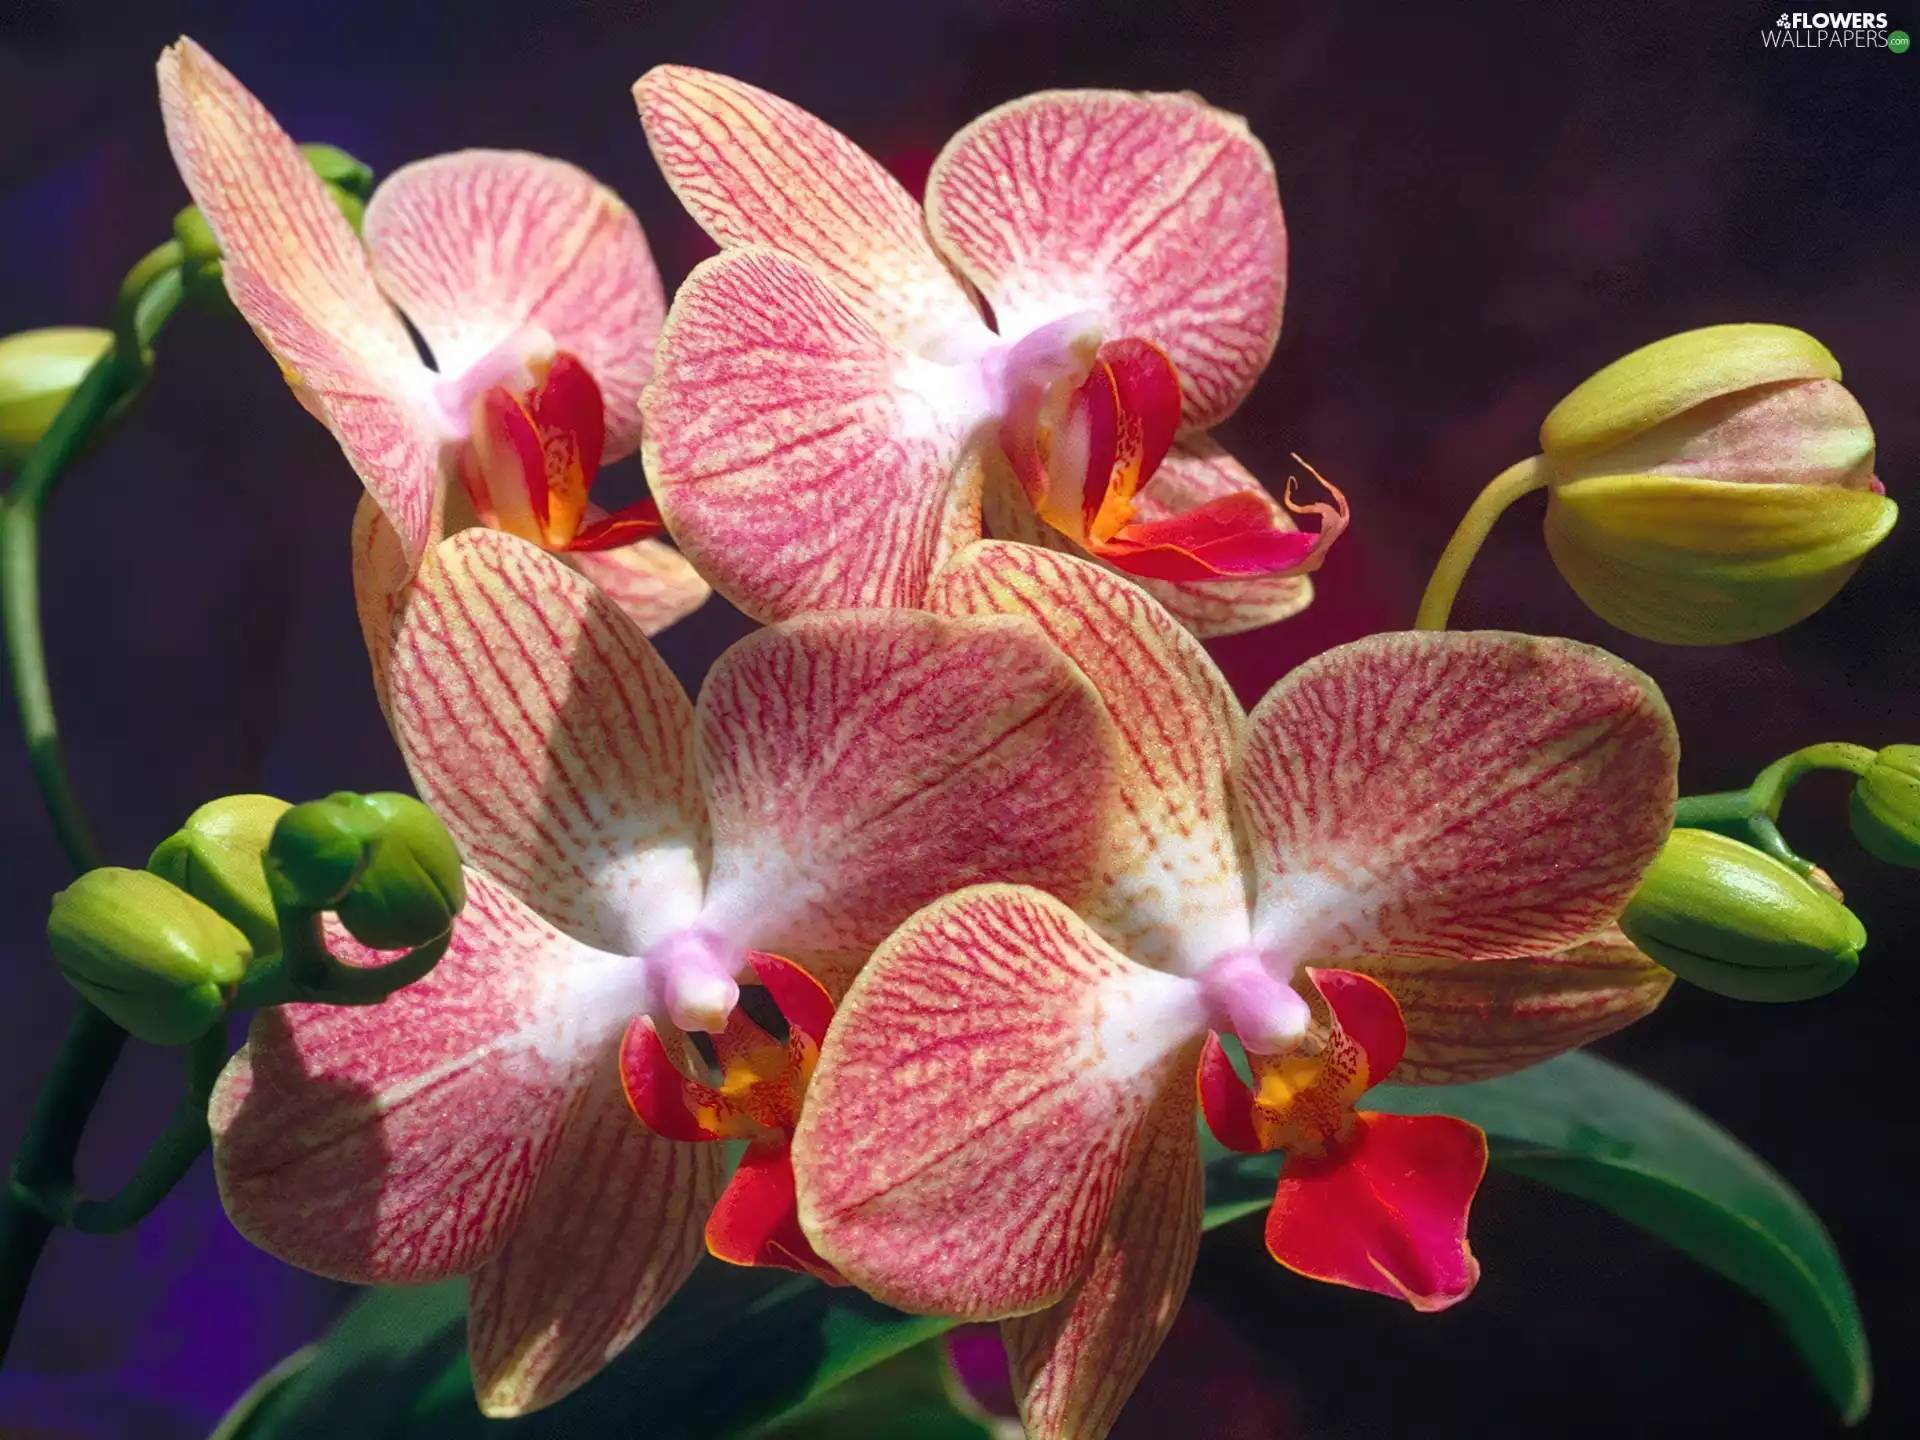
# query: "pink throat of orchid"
{"points": [[690, 979], [535, 435], [1245, 997]]}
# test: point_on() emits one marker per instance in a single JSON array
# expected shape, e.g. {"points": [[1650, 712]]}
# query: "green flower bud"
{"points": [[218, 858], [1739, 923], [340, 170], [39, 369], [157, 961], [1885, 809], [1712, 487], [383, 863]]}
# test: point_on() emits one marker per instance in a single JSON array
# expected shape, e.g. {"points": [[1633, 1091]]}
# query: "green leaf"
{"points": [[738, 1351], [1597, 1131]]}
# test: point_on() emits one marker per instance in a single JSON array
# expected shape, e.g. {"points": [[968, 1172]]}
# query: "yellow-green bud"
{"points": [[1737, 922], [383, 863], [218, 858], [39, 369], [158, 962], [1885, 809], [1712, 487]]}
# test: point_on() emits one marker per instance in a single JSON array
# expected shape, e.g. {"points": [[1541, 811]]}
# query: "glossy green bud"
{"points": [[158, 962], [383, 863], [1731, 920], [39, 369], [218, 857], [1713, 486], [1885, 809], [340, 170]]}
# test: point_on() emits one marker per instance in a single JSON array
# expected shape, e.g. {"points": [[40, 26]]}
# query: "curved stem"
{"points": [[1771, 785], [47, 1153], [1505, 488], [170, 1157]]}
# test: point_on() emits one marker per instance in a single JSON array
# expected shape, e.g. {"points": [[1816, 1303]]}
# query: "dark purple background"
{"points": [[1483, 210]]}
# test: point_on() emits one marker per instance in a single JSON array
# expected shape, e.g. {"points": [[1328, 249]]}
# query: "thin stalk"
{"points": [[1505, 488]]}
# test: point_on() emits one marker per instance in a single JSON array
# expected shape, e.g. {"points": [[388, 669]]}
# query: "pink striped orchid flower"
{"points": [[535, 291], [634, 855], [1096, 280], [1001, 1125]]}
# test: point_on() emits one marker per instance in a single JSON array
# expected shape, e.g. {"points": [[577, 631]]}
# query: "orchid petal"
{"points": [[1231, 538], [399, 1143], [1195, 472], [295, 269], [1175, 895], [477, 244], [981, 1097], [754, 169], [1388, 1213], [1456, 795], [612, 1229], [1158, 211], [651, 582], [798, 461], [553, 741], [1475, 1019], [1075, 1364], [756, 1221], [380, 575], [860, 765]]}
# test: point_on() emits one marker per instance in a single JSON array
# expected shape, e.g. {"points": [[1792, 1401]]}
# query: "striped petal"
{"points": [[613, 1228], [1474, 1019], [296, 270], [651, 582], [1469, 796], [1075, 1364], [380, 575], [858, 766], [1175, 896], [801, 459], [1158, 212], [754, 169], [552, 740], [475, 245], [981, 1097], [399, 1143]]}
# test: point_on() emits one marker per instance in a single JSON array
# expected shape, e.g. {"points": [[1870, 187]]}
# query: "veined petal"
{"points": [[1474, 1019], [1176, 892], [1229, 538], [754, 169], [980, 1100], [547, 733], [1473, 795], [651, 582], [380, 575], [613, 1228], [1388, 1213], [1196, 472], [860, 765], [476, 244], [296, 270], [801, 459], [1158, 211], [1075, 1364], [399, 1143]]}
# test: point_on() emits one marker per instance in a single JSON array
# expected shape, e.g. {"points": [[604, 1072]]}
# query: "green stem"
{"points": [[148, 297], [1771, 785], [47, 1153], [1505, 488]]}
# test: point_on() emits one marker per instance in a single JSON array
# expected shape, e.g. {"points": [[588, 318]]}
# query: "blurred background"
{"points": [[1484, 206]]}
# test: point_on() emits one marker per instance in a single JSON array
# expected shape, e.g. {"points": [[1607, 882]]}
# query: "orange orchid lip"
{"points": [[533, 456]]}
